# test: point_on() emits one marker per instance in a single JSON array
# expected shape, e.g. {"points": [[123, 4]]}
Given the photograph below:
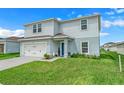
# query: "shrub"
{"points": [[46, 56], [77, 55], [109, 55], [92, 56], [106, 56]]}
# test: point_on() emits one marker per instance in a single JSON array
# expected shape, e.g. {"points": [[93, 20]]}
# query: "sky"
{"points": [[112, 20]]}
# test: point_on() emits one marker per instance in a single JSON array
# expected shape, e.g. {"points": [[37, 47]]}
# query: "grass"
{"points": [[76, 71], [110, 55], [8, 55], [65, 71]]}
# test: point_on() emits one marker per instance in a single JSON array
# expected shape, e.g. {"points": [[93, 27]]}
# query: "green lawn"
{"points": [[86, 71], [9, 55], [65, 71]]}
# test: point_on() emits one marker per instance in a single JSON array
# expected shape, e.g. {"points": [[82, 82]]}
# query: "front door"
{"points": [[62, 49], [1, 48]]}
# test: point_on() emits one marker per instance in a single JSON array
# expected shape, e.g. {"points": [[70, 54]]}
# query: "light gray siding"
{"points": [[47, 29], [120, 49], [12, 46], [75, 45], [56, 27], [73, 28]]}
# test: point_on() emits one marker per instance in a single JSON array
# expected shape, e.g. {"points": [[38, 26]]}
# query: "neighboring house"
{"points": [[117, 47], [62, 38], [9, 45], [107, 45]]}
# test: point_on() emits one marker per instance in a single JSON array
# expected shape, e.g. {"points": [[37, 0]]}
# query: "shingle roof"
{"points": [[61, 34], [37, 36], [13, 38]]}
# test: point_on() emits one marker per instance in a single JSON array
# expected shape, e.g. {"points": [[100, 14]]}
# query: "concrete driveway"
{"points": [[9, 63]]}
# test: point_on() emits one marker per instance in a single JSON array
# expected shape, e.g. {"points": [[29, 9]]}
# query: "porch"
{"points": [[61, 44]]}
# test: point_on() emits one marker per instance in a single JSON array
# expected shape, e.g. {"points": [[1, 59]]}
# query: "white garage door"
{"points": [[36, 50]]}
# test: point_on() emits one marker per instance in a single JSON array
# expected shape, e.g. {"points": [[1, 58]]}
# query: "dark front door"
{"points": [[58, 51], [62, 49], [1, 48]]}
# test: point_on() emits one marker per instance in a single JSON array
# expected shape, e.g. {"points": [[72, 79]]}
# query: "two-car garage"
{"points": [[35, 49]]}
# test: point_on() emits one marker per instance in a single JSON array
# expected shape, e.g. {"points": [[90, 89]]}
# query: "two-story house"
{"points": [[62, 38]]}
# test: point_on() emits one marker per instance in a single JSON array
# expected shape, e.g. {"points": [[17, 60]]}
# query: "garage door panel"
{"points": [[36, 50]]}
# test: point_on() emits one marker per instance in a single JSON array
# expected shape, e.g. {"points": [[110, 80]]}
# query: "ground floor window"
{"points": [[84, 47]]}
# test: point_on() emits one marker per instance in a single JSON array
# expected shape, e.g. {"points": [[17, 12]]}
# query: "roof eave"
{"points": [[40, 21], [29, 39], [63, 20]]}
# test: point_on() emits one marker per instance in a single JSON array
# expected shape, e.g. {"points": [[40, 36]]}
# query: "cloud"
{"points": [[72, 13], [79, 15], [118, 22], [110, 13], [119, 10], [104, 34], [7, 32], [96, 13], [115, 10], [106, 23], [59, 19]]}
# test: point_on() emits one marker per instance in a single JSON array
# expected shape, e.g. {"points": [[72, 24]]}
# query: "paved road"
{"points": [[9, 63]]}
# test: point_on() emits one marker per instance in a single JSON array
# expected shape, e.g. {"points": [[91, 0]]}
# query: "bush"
{"points": [[46, 56], [92, 56], [106, 56], [109, 55], [77, 55]]}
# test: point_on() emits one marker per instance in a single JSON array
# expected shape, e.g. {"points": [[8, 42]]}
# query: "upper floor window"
{"points": [[84, 47], [34, 28], [83, 24], [39, 28]]}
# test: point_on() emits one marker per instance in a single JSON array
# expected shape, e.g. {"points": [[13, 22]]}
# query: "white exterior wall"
{"points": [[113, 48], [56, 27], [70, 28], [75, 46], [118, 49], [12, 46], [90, 35], [47, 29], [73, 28]]}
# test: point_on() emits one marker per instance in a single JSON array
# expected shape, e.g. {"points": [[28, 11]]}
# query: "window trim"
{"points": [[33, 28], [81, 46], [38, 27], [87, 25]]}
